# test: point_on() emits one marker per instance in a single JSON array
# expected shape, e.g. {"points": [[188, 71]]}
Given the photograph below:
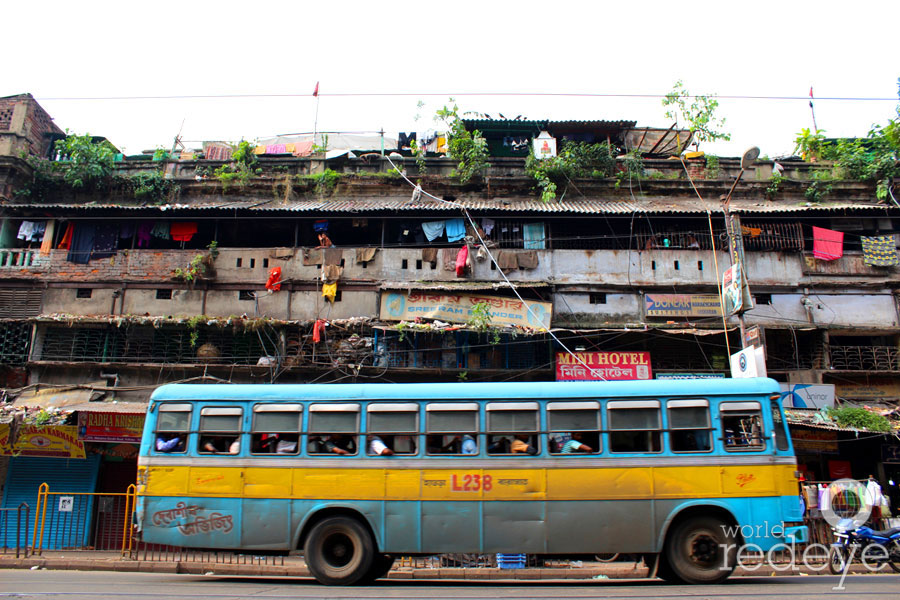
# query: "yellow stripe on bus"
{"points": [[470, 484]]}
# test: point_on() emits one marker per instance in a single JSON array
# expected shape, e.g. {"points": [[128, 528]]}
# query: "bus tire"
{"points": [[339, 551], [381, 566], [699, 550]]}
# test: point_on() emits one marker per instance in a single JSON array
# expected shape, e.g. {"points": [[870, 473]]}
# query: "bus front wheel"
{"points": [[701, 550], [339, 551]]}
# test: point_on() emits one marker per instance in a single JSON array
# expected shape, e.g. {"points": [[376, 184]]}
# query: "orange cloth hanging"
{"points": [[66, 240], [318, 331], [274, 282]]}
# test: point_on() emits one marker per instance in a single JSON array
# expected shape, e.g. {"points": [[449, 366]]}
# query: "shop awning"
{"points": [[55, 397]]}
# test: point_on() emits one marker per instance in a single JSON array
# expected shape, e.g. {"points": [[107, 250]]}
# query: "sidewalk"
{"points": [[295, 567]]}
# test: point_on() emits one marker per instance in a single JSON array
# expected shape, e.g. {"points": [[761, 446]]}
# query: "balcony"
{"points": [[864, 358]]}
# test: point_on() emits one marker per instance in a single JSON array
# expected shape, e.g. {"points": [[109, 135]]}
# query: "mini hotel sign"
{"points": [[603, 366]]}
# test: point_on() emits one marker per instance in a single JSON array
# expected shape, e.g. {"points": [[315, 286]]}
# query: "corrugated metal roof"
{"points": [[110, 407], [391, 204]]}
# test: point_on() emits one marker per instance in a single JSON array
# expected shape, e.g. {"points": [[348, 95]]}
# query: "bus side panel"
{"points": [[266, 524], [192, 522], [514, 527], [451, 527], [401, 532], [592, 526]]}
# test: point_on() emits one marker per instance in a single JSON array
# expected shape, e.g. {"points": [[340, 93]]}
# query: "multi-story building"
{"points": [[166, 272]]}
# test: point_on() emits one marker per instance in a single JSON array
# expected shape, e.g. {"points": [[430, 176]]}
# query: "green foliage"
{"points": [[419, 154], [45, 181], [241, 168], [86, 163], [713, 169], [470, 149], [810, 144], [323, 148], [859, 418], [872, 159], [161, 154], [774, 185], [199, 266], [151, 187], [323, 183], [634, 167], [480, 319], [42, 417], [575, 159], [697, 112], [818, 187]]}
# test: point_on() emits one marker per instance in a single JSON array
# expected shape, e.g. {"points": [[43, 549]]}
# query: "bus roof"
{"points": [[469, 391]]}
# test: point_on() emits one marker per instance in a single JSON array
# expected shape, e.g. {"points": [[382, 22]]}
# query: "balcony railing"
{"points": [[865, 358], [13, 258]]}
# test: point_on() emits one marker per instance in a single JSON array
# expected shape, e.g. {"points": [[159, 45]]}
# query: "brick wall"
{"points": [[126, 265], [37, 122]]}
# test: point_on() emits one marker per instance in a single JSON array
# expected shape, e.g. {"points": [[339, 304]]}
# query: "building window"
{"points": [[83, 292], [763, 299], [246, 295], [597, 298], [163, 294]]}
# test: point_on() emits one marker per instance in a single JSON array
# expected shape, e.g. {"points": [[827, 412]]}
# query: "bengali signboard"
{"points": [[682, 305], [110, 427], [457, 308], [814, 441], [603, 366], [46, 440]]}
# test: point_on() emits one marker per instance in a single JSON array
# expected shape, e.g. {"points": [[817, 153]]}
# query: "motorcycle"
{"points": [[852, 542]]}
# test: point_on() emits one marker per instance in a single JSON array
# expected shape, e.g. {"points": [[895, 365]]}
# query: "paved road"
{"points": [[95, 585]]}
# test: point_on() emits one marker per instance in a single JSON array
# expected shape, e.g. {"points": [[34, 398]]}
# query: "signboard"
{"points": [[51, 440], [457, 308], [814, 441], [690, 375], [731, 289], [753, 337], [807, 395], [5, 448], [682, 305], [110, 427], [890, 453], [873, 388], [544, 146], [603, 366], [66, 503], [749, 362]]}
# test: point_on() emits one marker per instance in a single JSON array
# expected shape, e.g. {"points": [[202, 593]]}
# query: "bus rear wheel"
{"points": [[339, 551], [700, 550]]}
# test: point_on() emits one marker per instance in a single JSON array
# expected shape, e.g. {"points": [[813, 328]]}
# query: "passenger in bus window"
{"points": [[170, 442], [221, 444], [522, 445], [287, 443], [338, 443], [377, 447], [576, 444]]}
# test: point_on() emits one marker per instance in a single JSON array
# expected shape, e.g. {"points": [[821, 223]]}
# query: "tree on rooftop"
{"points": [[697, 112]]}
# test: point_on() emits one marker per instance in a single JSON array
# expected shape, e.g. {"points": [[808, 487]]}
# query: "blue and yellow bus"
{"points": [[682, 472]]}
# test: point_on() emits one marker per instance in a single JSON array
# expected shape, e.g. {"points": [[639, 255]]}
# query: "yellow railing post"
{"points": [[127, 528], [37, 541]]}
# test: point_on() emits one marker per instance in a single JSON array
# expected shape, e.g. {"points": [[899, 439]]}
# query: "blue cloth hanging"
{"points": [[433, 230], [456, 229]]}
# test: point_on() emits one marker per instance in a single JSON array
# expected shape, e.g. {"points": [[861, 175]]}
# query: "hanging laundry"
{"points": [[404, 139], [312, 257], [481, 254], [528, 259], [456, 229], [320, 226], [183, 232], [318, 331], [161, 230], [106, 241], [25, 230], [273, 283], [433, 230], [507, 261], [329, 291], [533, 234], [462, 260], [429, 255], [487, 225], [364, 255], [880, 251], [331, 273], [303, 148], [143, 233], [276, 149], [47, 242], [290, 148], [448, 258], [66, 240], [332, 256], [827, 244], [37, 232], [82, 242], [126, 229]]}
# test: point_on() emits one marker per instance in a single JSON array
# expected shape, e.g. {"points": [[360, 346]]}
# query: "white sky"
{"points": [[164, 48]]}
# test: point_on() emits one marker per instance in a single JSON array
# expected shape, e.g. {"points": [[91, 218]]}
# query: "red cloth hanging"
{"points": [[462, 257], [318, 331], [66, 240], [827, 244], [273, 284], [182, 232]]}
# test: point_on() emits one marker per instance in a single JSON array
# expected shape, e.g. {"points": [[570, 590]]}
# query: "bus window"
{"points": [[781, 434], [742, 426], [512, 428], [220, 430], [689, 429], [634, 426], [333, 428], [451, 428], [276, 429], [172, 426], [394, 425], [574, 427]]}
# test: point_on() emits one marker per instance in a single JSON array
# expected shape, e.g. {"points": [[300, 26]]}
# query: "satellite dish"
{"points": [[749, 157]]}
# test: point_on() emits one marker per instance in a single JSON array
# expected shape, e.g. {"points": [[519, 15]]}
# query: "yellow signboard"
{"points": [[457, 308], [37, 440]]}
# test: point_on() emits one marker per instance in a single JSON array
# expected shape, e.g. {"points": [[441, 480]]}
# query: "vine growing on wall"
{"points": [[468, 148], [241, 168]]}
